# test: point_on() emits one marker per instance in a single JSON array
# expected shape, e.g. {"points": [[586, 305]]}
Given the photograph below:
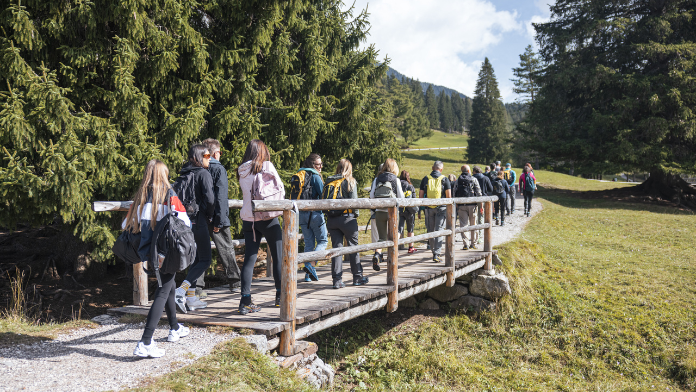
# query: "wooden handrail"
{"points": [[291, 258]]}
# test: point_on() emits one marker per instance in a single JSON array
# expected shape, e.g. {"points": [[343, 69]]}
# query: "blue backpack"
{"points": [[529, 185]]}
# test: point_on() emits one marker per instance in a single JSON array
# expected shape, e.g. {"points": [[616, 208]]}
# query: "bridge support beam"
{"points": [[393, 260], [487, 243], [288, 288], [451, 222]]}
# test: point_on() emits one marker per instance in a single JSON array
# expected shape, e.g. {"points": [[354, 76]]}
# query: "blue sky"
{"points": [[445, 42]]}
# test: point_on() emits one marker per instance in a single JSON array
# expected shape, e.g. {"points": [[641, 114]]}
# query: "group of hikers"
{"points": [[199, 198]]}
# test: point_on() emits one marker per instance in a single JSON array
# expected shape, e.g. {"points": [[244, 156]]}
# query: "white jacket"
{"points": [[246, 180]]}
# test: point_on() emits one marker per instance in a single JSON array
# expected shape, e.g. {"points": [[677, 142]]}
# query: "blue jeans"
{"points": [[314, 229]]}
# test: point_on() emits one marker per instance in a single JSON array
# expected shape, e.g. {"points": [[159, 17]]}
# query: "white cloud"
{"points": [[428, 39], [544, 16]]}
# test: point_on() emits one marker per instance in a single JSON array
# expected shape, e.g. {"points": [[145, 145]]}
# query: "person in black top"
{"points": [[220, 226], [434, 186], [501, 188], [486, 190]]}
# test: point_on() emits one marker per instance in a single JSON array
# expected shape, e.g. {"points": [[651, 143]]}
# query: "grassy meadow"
{"points": [[441, 139]]}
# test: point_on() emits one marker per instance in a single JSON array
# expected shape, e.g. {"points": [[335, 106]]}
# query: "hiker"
{"points": [[497, 166], [407, 215], [374, 235], [492, 173], [467, 186], [307, 184], [500, 189], [256, 172], [511, 177], [435, 186], [527, 186], [195, 180], [386, 185], [150, 204], [488, 170], [343, 223], [486, 190], [220, 226], [453, 182]]}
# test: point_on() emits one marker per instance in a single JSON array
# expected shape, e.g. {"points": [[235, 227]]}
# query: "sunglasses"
{"points": [[206, 156], [319, 164]]}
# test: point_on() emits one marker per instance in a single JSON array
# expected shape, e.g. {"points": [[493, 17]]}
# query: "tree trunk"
{"points": [[669, 187]]}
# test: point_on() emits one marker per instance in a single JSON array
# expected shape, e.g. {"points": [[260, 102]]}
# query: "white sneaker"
{"points": [[194, 303], [151, 351], [179, 333], [180, 299]]}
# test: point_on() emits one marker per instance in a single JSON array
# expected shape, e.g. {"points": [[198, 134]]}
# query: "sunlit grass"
{"points": [[441, 139]]}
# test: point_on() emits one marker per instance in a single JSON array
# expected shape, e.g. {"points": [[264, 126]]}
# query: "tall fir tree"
{"points": [[431, 106], [444, 108], [93, 90], [526, 76], [489, 137], [618, 92]]}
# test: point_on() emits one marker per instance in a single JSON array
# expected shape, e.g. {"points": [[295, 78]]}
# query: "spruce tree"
{"points": [[93, 90], [525, 81], [618, 91], [444, 108], [431, 105], [489, 138]]}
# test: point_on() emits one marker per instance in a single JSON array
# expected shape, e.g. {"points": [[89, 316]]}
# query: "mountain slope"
{"points": [[425, 85]]}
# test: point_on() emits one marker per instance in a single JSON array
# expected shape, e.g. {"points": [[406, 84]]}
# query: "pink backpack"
{"points": [[267, 186]]}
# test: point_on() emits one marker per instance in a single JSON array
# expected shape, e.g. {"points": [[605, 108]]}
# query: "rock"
{"points": [[465, 279], [105, 319], [443, 293], [496, 260], [311, 349], [260, 342], [420, 296], [409, 302], [490, 287], [289, 361], [468, 302], [429, 304]]}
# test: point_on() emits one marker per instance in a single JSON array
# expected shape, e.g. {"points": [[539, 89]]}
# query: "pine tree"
{"points": [[458, 109], [444, 109], [489, 135], [526, 75], [431, 105], [93, 90], [618, 91]]}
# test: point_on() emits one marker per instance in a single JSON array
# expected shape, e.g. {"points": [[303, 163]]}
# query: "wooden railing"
{"points": [[291, 258]]}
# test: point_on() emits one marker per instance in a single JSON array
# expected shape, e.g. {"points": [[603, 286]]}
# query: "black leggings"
{"points": [[163, 296], [528, 200], [500, 208], [274, 237]]}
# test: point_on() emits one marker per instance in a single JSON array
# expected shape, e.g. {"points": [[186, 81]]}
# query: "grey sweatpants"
{"points": [[480, 218], [344, 226], [223, 244], [435, 219], [467, 217]]}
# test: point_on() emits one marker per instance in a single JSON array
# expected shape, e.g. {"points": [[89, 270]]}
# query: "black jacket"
{"points": [[221, 215], [485, 183], [203, 188]]}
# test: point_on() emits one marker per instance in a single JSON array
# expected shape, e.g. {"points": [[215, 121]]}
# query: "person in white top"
{"points": [[386, 185]]}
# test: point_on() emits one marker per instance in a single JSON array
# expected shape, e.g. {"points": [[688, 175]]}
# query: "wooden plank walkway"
{"points": [[319, 306]]}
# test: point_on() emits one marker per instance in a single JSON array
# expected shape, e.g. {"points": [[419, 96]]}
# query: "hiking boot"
{"points": [[200, 293], [339, 284], [180, 299], [309, 270], [246, 309], [497, 222], [465, 247], [472, 246], [194, 303], [150, 351], [376, 258], [277, 299], [502, 223], [306, 278], [437, 259], [235, 288], [179, 333], [360, 280], [412, 250]]}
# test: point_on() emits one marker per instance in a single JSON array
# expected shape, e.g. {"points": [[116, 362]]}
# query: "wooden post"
{"points": [[139, 285], [288, 291], [393, 260], [450, 219], [487, 245]]}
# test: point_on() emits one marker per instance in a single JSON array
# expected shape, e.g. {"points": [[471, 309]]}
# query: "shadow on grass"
{"points": [[615, 199], [430, 157]]}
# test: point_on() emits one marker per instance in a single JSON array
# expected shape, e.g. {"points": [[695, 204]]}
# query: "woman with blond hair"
{"points": [[150, 204], [386, 185], [343, 223]]}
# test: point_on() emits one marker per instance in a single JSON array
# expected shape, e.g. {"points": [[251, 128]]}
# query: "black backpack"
{"points": [[185, 189], [174, 239], [465, 186], [301, 185], [498, 187], [126, 247]]}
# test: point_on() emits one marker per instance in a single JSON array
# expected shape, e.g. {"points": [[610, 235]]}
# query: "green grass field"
{"points": [[441, 139]]}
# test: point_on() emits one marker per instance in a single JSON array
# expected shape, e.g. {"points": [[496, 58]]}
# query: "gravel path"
{"points": [[99, 359], [102, 358]]}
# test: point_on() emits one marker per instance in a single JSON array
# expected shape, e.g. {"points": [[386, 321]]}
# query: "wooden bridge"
{"points": [[312, 307]]}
